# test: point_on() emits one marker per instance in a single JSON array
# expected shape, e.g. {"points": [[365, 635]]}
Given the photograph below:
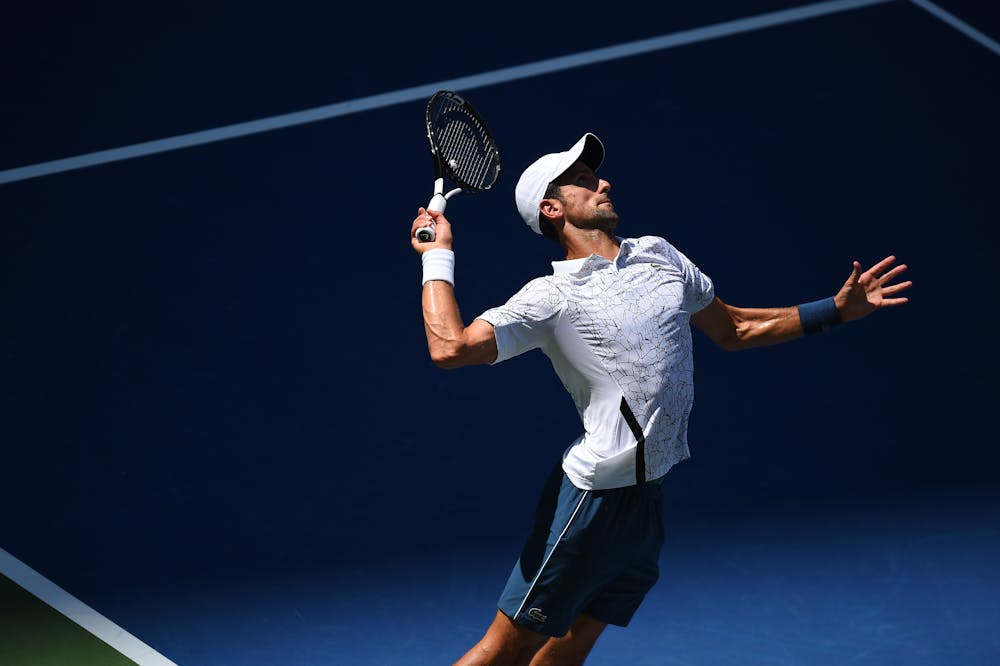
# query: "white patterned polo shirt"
{"points": [[618, 335]]}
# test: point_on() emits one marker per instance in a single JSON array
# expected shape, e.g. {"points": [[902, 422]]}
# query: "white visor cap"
{"points": [[535, 180]]}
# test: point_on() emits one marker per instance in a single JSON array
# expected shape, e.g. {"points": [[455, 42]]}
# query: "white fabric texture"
{"points": [[615, 329], [438, 264]]}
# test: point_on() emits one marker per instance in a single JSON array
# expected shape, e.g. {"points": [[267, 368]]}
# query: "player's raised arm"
{"points": [[450, 342], [735, 328]]}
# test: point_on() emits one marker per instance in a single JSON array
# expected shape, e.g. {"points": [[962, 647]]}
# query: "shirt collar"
{"points": [[568, 265], [575, 265]]}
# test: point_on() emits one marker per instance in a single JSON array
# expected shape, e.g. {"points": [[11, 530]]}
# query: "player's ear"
{"points": [[551, 208]]}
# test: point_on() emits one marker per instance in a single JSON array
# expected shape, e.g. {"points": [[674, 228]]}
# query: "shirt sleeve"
{"points": [[526, 321], [699, 290]]}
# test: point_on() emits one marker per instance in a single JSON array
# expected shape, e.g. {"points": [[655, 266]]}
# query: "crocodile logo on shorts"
{"points": [[537, 614]]}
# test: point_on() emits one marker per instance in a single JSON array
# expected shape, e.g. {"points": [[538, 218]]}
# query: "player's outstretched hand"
{"points": [[442, 230], [863, 293]]}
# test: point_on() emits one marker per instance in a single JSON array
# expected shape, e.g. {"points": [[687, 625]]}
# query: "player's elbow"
{"points": [[450, 354], [731, 338], [731, 342], [727, 339], [446, 362], [447, 356]]}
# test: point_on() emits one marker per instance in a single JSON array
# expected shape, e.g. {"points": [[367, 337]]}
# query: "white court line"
{"points": [[959, 24], [78, 612], [383, 100]]}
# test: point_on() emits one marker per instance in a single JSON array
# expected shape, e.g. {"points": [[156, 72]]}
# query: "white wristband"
{"points": [[439, 264]]}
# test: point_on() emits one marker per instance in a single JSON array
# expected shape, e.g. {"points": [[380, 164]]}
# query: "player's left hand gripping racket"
{"points": [[462, 148]]}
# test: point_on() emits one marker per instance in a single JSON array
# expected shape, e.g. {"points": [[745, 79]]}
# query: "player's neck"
{"points": [[581, 243]]}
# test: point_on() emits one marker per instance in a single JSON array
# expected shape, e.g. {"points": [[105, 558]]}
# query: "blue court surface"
{"points": [[222, 441]]}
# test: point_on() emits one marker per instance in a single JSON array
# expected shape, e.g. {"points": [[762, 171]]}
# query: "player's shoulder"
{"points": [[659, 251], [540, 287], [655, 246]]}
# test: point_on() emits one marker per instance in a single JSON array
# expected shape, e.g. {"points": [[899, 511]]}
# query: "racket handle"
{"points": [[426, 234], [438, 202]]}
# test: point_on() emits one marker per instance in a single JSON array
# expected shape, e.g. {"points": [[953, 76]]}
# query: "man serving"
{"points": [[615, 319]]}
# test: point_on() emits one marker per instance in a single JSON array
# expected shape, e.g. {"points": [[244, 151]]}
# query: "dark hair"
{"points": [[551, 192]]}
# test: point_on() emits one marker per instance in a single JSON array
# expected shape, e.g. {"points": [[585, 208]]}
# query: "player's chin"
{"points": [[604, 218]]}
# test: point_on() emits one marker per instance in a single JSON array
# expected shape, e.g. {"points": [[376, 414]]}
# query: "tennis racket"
{"points": [[463, 149]]}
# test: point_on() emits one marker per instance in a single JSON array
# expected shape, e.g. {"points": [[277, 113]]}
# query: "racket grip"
{"points": [[426, 234], [438, 203]]}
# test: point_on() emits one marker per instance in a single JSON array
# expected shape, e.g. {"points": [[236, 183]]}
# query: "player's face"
{"points": [[586, 202]]}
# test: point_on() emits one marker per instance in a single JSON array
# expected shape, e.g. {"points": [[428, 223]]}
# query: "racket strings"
{"points": [[471, 157], [464, 146], [464, 151]]}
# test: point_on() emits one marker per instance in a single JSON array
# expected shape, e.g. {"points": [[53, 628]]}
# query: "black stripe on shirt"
{"points": [[640, 438]]}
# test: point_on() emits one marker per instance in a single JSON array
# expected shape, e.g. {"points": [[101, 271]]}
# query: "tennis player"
{"points": [[615, 320]]}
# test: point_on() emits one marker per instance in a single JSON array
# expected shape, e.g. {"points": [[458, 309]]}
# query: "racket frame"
{"points": [[439, 201]]}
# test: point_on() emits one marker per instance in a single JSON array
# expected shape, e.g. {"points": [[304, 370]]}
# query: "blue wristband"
{"points": [[818, 316]]}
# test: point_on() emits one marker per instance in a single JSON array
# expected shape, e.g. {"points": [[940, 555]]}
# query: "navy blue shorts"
{"points": [[593, 552]]}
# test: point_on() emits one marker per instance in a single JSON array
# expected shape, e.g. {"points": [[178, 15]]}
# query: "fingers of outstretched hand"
{"points": [[865, 292], [881, 277], [893, 274], [890, 294], [893, 289], [881, 266]]}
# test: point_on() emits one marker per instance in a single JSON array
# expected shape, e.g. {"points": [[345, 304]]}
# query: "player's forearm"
{"points": [[761, 327], [442, 320], [450, 342]]}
